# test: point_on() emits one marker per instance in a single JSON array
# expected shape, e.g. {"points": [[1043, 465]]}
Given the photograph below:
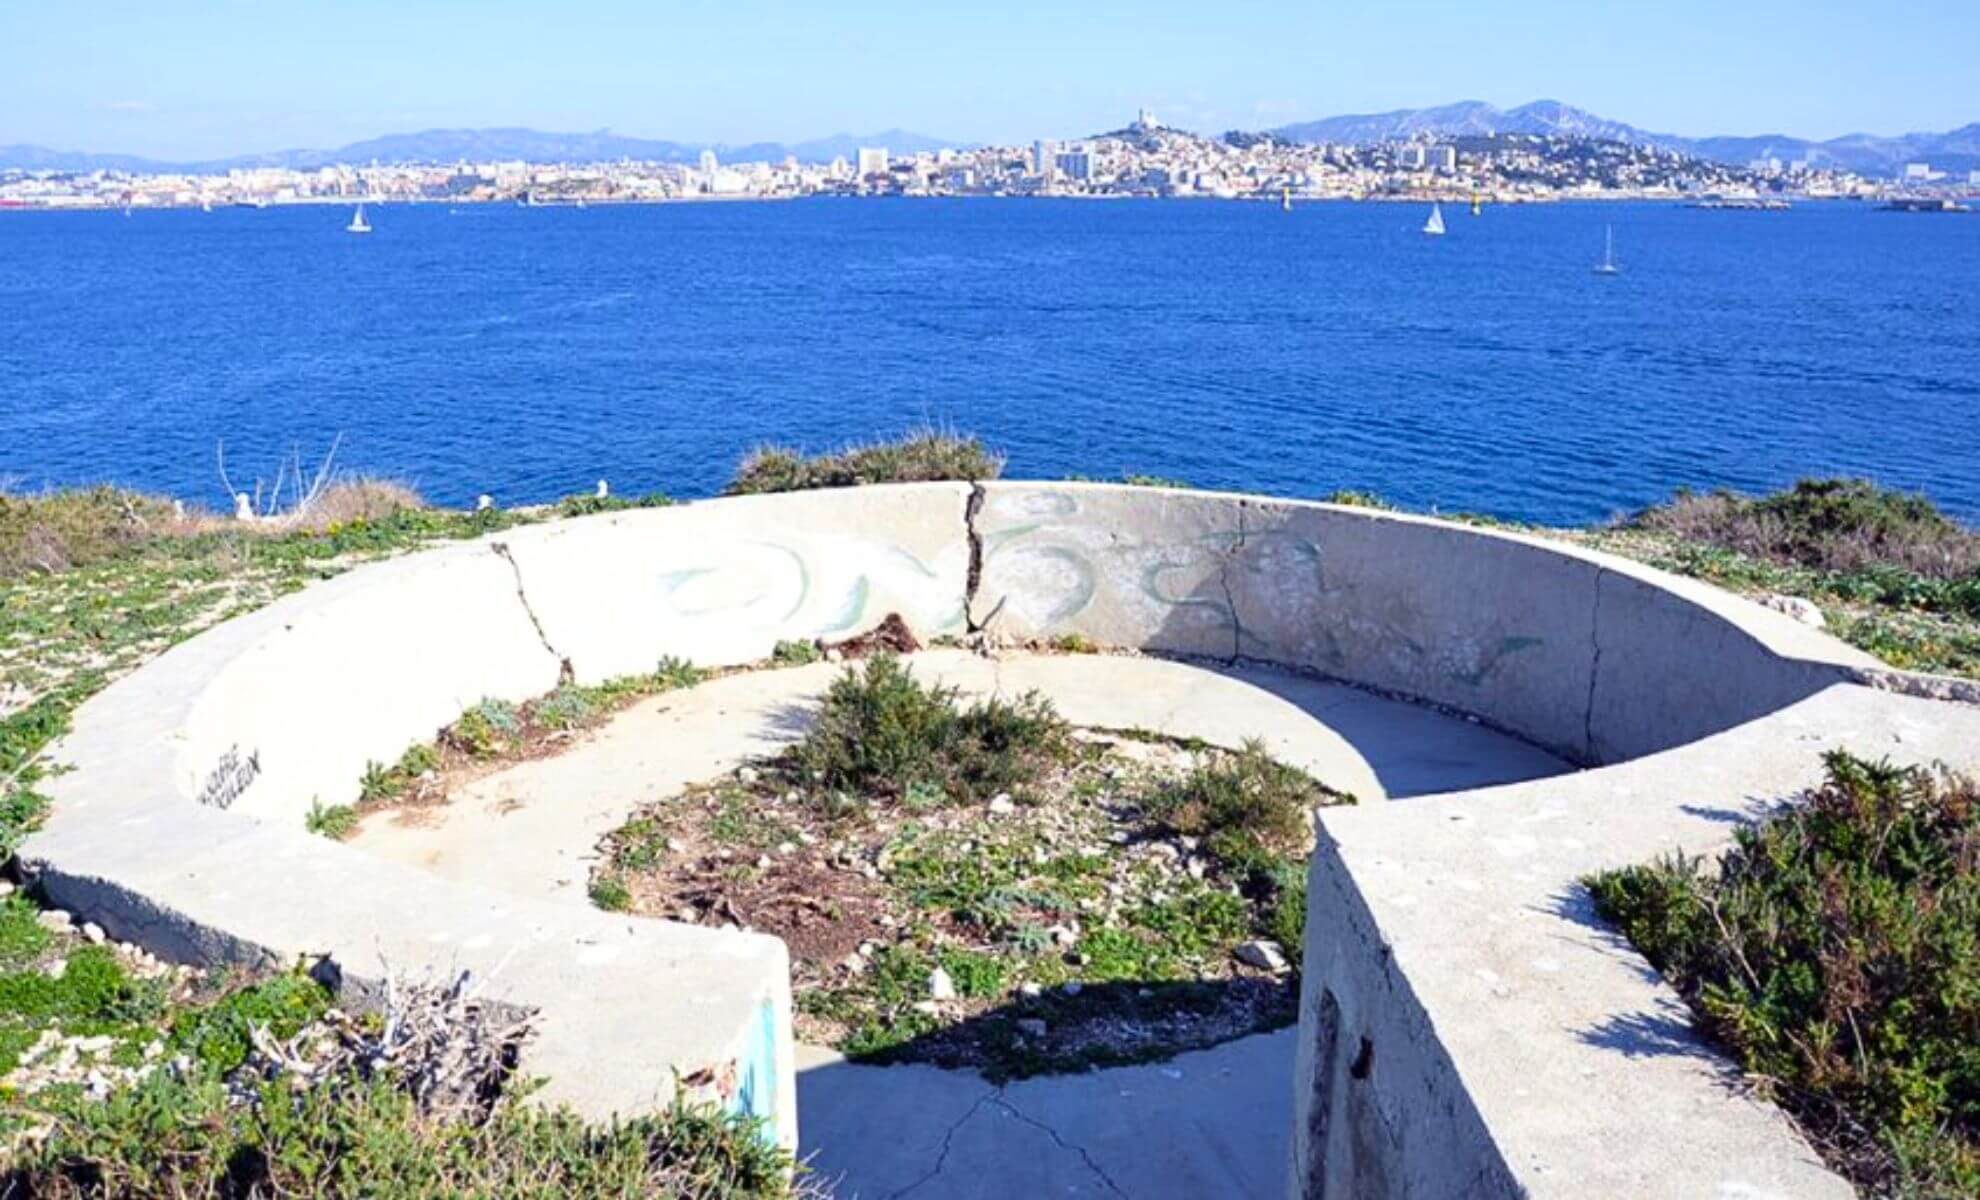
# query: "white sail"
{"points": [[1608, 264], [1435, 225], [357, 224]]}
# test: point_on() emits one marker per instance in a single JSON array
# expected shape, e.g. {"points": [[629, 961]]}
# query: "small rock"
{"points": [[926, 1008], [940, 986], [55, 920], [674, 846], [762, 861], [1031, 1027], [1794, 606], [1000, 804], [1029, 990], [1196, 868], [854, 964], [6, 889], [57, 969], [786, 847], [93, 933], [866, 949], [747, 774], [1264, 955], [1061, 935], [687, 915]]}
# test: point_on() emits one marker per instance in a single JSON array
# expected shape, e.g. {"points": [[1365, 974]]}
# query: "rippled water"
{"points": [[528, 352]]}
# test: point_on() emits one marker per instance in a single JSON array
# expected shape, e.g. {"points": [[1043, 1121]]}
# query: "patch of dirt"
{"points": [[890, 636]]}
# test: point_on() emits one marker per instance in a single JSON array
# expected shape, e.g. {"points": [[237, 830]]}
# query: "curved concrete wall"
{"points": [[182, 825]]}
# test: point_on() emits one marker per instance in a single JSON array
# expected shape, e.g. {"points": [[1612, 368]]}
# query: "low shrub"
{"points": [[1836, 954], [57, 531], [1249, 809], [918, 457], [348, 1137], [336, 821], [1847, 526], [795, 654], [880, 732], [611, 894]]}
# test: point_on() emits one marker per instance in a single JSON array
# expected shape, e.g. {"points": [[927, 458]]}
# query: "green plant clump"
{"points": [[795, 653], [916, 458], [881, 732], [351, 1138], [1251, 810], [335, 821], [1836, 954]]}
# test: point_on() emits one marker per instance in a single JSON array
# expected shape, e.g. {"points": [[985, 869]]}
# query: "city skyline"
{"points": [[179, 83]]}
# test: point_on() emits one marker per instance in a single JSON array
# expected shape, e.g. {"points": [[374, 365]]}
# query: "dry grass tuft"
{"points": [[54, 531], [352, 498], [1826, 524], [923, 456]]}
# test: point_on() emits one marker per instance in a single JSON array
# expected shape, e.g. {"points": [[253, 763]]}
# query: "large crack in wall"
{"points": [[565, 674]]}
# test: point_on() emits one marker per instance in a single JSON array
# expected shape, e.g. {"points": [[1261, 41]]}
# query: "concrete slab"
{"points": [[533, 828], [1209, 1123]]}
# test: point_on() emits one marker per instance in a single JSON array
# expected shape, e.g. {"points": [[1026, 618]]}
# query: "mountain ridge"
{"points": [[1865, 153]]}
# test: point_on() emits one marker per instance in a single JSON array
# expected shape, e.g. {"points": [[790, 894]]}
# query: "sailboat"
{"points": [[1435, 225], [1608, 264], [1477, 204], [357, 224]]}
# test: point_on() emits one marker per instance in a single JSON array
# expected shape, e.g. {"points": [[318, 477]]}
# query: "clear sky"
{"points": [[186, 79]]}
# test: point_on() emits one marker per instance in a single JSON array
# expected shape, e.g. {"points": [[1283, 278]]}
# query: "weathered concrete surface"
{"points": [[533, 828], [722, 583], [1209, 1123], [1452, 940]]}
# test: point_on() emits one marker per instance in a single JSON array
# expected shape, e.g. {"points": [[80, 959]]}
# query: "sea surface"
{"points": [[529, 352]]}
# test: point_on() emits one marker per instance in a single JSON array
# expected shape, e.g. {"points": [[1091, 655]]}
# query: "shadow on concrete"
{"points": [[1665, 1033]]}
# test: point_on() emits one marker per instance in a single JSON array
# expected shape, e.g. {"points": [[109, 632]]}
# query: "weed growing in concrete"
{"points": [[796, 654], [918, 457], [590, 505], [569, 707], [1836, 954], [610, 893], [336, 821], [1073, 643], [880, 731]]}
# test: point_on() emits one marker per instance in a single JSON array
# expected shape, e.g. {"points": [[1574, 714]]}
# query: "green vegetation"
{"points": [[915, 458], [1132, 479], [585, 506], [1248, 809], [350, 1137], [880, 733], [796, 654], [1073, 643], [336, 821], [611, 894], [1836, 955]]}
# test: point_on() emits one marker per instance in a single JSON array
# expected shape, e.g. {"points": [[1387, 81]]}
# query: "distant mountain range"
{"points": [[484, 145], [1864, 153]]}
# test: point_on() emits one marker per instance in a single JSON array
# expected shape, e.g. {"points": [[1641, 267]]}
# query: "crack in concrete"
{"points": [[1594, 671], [971, 507], [998, 1100], [942, 1159], [564, 672], [1224, 581]]}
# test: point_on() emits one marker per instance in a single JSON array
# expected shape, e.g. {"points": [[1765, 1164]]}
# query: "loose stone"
{"points": [[1264, 955]]}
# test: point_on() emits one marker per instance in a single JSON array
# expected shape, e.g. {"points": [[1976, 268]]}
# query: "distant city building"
{"points": [[1443, 158], [708, 163], [1973, 178], [1145, 121], [1043, 154], [872, 161], [1075, 163], [1413, 157], [1918, 171]]}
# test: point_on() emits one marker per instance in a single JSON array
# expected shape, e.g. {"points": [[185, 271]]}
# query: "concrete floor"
{"points": [[533, 828], [1208, 1123]]}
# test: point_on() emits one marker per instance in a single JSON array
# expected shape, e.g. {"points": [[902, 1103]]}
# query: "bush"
{"points": [[611, 894], [915, 458], [482, 729], [336, 822], [56, 531], [880, 733], [1836, 954], [1250, 809], [1838, 525], [795, 654], [354, 1138]]}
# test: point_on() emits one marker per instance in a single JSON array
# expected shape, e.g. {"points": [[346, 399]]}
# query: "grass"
{"points": [[880, 733], [916, 457], [1249, 810], [336, 821], [1835, 953]]}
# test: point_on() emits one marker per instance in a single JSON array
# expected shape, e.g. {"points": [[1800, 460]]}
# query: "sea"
{"points": [[527, 353]]}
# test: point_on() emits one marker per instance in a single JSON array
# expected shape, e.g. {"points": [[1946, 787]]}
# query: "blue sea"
{"points": [[529, 352]]}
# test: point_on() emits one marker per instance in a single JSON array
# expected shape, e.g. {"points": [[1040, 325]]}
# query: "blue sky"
{"points": [[172, 78]]}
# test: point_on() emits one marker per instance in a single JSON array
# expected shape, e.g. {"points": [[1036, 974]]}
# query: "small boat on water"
{"points": [[1285, 199], [1435, 225], [1477, 204], [358, 224], [1608, 264]]}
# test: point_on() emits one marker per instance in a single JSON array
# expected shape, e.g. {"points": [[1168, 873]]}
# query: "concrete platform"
{"points": [[1210, 1123], [533, 828]]}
